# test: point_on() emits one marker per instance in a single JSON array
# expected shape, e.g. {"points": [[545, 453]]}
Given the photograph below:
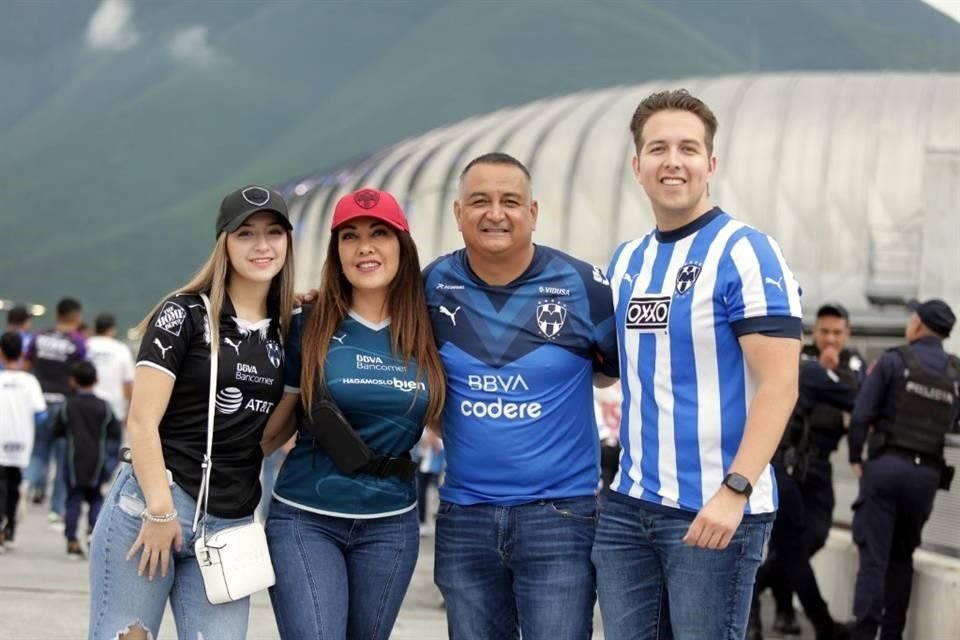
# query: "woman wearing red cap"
{"points": [[343, 529], [239, 305]]}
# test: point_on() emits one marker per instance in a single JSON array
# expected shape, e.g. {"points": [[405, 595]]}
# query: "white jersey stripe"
{"points": [[751, 277], [712, 468], [663, 392], [682, 298]]}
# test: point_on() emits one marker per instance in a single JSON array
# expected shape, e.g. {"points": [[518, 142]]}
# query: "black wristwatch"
{"points": [[738, 484]]}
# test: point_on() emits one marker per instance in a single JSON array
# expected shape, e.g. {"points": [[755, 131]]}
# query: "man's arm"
{"points": [[827, 386], [866, 411], [773, 363]]}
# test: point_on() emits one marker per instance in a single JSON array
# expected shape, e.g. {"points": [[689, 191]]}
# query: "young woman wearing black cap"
{"points": [[343, 530], [142, 548]]}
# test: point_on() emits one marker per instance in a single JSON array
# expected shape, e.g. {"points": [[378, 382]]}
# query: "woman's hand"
{"points": [[156, 538]]}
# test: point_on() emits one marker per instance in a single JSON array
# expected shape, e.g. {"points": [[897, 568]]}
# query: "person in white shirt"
{"points": [[21, 407], [114, 363]]}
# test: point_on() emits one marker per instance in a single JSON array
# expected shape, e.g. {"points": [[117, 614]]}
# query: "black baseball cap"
{"points": [[243, 203], [935, 313], [833, 309]]}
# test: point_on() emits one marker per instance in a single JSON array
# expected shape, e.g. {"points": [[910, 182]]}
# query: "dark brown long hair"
{"points": [[410, 334]]}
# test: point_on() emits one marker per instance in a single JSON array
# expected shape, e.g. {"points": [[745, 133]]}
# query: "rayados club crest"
{"points": [[550, 317], [687, 275]]}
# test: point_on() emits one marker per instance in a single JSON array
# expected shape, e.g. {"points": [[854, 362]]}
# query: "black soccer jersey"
{"points": [[249, 384]]}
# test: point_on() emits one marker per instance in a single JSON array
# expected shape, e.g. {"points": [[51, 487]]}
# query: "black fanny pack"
{"points": [[332, 432]]}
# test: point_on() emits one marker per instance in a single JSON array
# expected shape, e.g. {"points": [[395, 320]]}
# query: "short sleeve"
{"points": [[606, 356], [31, 353], [167, 338], [37, 403], [291, 368], [760, 292]]}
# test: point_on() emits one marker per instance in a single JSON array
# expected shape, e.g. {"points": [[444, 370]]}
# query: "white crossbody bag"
{"points": [[235, 561]]}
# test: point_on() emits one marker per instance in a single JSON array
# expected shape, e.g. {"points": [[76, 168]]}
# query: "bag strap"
{"points": [[203, 496]]}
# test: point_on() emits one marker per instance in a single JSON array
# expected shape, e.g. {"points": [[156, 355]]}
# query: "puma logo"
{"points": [[778, 283], [163, 349], [451, 314], [628, 278], [339, 339], [235, 345]]}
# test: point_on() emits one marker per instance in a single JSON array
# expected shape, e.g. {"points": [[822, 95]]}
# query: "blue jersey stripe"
{"points": [[733, 410], [649, 411], [686, 417], [620, 313]]}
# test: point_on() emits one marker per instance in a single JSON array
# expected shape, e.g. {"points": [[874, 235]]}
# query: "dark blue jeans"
{"points": [[46, 447], [339, 577], [76, 496], [652, 586], [524, 569]]}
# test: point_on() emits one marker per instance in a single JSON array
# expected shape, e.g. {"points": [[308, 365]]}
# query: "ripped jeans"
{"points": [[120, 599]]}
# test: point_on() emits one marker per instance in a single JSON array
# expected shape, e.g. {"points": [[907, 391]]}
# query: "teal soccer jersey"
{"points": [[384, 402]]}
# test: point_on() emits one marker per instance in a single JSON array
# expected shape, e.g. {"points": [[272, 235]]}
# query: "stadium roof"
{"points": [[857, 175]]}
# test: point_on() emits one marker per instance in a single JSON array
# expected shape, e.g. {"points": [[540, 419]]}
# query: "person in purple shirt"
{"points": [[51, 357]]}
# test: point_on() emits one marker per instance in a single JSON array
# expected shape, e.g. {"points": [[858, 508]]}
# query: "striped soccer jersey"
{"points": [[682, 299]]}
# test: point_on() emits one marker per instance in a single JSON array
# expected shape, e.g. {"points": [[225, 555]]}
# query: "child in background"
{"points": [[86, 421], [21, 407]]}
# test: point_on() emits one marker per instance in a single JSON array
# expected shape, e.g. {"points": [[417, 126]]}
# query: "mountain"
{"points": [[123, 122]]}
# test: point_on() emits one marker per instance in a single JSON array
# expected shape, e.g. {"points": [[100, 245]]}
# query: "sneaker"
{"points": [[832, 631], [786, 623], [37, 496], [55, 521], [74, 550]]}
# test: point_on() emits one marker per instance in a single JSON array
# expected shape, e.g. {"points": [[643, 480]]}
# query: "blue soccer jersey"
{"points": [[683, 298], [384, 402], [518, 422]]}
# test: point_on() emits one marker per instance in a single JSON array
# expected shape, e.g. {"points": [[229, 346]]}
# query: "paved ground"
{"points": [[45, 595]]}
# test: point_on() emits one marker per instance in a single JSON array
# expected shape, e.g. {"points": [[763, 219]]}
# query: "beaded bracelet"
{"points": [[167, 517]]}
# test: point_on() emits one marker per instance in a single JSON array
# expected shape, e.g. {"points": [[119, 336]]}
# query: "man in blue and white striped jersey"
{"points": [[708, 321]]}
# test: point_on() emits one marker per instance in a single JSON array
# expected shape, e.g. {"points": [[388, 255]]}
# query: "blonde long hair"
{"points": [[212, 279]]}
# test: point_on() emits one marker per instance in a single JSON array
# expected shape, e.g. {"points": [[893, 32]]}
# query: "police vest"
{"points": [[925, 407]]}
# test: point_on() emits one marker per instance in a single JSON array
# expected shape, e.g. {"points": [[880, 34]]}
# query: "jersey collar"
{"points": [[689, 228]]}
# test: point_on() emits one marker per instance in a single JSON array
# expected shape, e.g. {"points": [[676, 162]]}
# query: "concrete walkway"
{"points": [[44, 595]]}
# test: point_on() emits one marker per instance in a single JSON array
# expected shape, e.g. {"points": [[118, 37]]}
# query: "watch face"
{"points": [[737, 482]]}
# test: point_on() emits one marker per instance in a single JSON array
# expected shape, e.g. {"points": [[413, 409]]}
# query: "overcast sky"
{"points": [[949, 7]]}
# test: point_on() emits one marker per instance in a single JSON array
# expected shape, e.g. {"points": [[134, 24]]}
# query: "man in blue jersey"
{"points": [[522, 330], [708, 321]]}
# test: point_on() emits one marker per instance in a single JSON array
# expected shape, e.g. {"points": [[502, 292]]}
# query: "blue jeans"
{"points": [[119, 598], [524, 569], [45, 448], [653, 586], [268, 479], [339, 577]]}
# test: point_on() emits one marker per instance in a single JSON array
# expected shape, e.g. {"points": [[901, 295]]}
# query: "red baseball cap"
{"points": [[371, 203]]}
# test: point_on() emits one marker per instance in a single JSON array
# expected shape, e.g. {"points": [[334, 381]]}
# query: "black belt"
{"points": [[913, 456]]}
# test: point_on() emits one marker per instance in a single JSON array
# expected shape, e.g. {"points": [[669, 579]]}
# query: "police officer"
{"points": [[826, 424], [910, 401], [788, 560]]}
